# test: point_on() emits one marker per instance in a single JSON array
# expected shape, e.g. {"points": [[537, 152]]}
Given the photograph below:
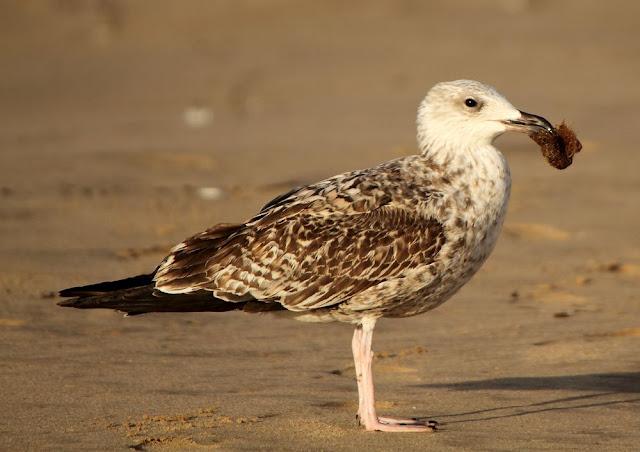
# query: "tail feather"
{"points": [[138, 295], [141, 300]]}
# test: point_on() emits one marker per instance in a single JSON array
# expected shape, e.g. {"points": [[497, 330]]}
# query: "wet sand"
{"points": [[124, 129]]}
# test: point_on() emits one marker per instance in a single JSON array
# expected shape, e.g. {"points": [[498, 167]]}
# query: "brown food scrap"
{"points": [[558, 147]]}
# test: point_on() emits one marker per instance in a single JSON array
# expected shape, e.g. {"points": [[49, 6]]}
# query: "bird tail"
{"points": [[137, 295]]}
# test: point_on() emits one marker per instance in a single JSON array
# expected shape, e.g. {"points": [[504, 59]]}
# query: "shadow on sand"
{"points": [[610, 389]]}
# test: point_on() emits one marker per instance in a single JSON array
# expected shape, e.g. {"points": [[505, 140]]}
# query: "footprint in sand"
{"points": [[181, 431]]}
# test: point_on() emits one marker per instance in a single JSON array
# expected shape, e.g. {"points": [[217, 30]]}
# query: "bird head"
{"points": [[465, 114]]}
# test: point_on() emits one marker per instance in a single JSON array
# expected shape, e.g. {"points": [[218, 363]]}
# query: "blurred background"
{"points": [[126, 126]]}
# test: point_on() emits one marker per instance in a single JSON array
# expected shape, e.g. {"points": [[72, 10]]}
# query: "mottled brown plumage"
{"points": [[317, 247], [394, 240]]}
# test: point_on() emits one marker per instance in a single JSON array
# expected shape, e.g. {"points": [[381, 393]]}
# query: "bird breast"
{"points": [[480, 197]]}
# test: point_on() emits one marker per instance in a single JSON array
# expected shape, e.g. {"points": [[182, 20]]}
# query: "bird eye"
{"points": [[470, 102]]}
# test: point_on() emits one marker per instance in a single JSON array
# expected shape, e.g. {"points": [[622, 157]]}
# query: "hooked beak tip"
{"points": [[529, 123]]}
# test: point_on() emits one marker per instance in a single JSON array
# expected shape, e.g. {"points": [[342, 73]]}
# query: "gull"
{"points": [[395, 240]]}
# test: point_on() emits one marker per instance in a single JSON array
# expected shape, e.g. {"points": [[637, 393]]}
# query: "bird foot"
{"points": [[407, 421], [391, 424]]}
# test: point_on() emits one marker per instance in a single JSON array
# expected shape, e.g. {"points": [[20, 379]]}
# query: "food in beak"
{"points": [[559, 146]]}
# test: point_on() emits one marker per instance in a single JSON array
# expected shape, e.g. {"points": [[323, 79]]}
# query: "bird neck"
{"points": [[457, 147], [480, 154], [482, 160], [450, 144]]}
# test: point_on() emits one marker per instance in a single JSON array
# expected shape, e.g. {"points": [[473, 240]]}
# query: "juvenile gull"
{"points": [[394, 240]]}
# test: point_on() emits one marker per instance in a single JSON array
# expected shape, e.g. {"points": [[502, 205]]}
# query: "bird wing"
{"points": [[314, 247]]}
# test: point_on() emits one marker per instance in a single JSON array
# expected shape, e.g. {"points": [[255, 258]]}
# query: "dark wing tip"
{"points": [[107, 286], [69, 302], [75, 292]]}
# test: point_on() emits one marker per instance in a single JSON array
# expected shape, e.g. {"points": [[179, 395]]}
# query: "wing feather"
{"points": [[313, 247]]}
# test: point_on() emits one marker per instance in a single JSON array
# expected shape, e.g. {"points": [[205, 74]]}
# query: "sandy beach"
{"points": [[125, 128]]}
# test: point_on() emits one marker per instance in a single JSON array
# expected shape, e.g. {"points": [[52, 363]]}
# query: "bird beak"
{"points": [[529, 123]]}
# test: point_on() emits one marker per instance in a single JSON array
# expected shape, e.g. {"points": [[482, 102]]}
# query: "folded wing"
{"points": [[314, 248]]}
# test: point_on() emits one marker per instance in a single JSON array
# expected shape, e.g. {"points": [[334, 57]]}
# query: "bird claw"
{"points": [[385, 424], [391, 424], [408, 421]]}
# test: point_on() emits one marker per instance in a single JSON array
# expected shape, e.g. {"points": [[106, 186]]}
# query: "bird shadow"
{"points": [[606, 389]]}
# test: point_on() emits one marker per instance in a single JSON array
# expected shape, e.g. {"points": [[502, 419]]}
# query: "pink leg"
{"points": [[363, 357]]}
